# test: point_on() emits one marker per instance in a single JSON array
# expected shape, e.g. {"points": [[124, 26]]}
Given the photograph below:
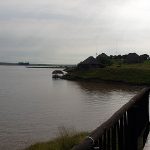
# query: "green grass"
{"points": [[127, 73], [65, 141]]}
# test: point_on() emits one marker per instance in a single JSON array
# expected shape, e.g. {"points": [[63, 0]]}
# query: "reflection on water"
{"points": [[106, 87], [107, 92], [33, 105], [106, 98]]}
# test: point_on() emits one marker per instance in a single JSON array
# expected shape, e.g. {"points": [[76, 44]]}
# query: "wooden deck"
{"points": [[147, 145]]}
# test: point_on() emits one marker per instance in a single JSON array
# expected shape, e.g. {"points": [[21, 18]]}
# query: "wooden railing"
{"points": [[127, 129]]}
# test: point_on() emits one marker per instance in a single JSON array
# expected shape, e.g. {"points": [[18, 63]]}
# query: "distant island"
{"points": [[131, 68], [31, 65]]}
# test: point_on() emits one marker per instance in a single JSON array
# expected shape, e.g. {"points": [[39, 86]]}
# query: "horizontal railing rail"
{"points": [[127, 129]]}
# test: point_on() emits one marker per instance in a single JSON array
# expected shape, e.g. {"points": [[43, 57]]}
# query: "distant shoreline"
{"points": [[44, 67], [38, 65]]}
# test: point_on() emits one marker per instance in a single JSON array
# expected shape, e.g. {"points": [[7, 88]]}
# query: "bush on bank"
{"points": [[65, 141]]}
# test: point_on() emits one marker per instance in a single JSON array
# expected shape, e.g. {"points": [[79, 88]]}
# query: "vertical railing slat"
{"points": [[114, 138]]}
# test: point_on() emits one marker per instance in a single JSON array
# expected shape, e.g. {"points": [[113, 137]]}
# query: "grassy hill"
{"points": [[126, 73]]}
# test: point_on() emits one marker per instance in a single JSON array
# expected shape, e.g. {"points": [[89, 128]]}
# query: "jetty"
{"points": [[127, 129]]}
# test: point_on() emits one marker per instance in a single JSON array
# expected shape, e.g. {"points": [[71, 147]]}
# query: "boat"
{"points": [[57, 74]]}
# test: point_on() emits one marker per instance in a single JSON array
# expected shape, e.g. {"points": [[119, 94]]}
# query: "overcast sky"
{"points": [[68, 31]]}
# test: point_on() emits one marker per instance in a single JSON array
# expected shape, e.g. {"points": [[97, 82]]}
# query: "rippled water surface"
{"points": [[33, 105]]}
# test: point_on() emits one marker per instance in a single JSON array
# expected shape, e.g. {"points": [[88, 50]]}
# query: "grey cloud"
{"points": [[68, 31]]}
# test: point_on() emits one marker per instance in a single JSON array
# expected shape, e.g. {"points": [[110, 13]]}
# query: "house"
{"points": [[132, 58]]}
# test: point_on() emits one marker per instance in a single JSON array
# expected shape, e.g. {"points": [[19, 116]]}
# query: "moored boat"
{"points": [[57, 74]]}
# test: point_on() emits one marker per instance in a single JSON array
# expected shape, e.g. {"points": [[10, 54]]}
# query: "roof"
{"points": [[132, 55], [90, 60]]}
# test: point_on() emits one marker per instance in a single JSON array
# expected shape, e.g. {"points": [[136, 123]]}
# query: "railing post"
{"points": [[144, 112], [132, 131], [114, 138]]}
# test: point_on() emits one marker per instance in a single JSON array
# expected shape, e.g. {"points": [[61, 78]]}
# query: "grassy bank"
{"points": [[133, 74], [65, 141]]}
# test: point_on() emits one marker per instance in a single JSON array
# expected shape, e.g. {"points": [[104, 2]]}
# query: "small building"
{"points": [[23, 63], [132, 58], [89, 63]]}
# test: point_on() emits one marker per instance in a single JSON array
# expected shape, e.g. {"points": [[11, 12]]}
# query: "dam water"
{"points": [[33, 106]]}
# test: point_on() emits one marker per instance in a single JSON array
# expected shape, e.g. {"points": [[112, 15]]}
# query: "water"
{"points": [[33, 105]]}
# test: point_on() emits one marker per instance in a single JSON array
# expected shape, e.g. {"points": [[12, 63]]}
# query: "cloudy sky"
{"points": [[68, 31]]}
